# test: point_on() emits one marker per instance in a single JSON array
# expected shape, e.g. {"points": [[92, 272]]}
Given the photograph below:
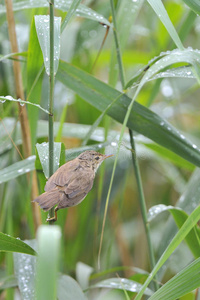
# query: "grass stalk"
{"points": [[51, 95], [117, 45], [142, 202]]}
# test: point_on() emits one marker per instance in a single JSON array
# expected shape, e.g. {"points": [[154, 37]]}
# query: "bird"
{"points": [[71, 183]]}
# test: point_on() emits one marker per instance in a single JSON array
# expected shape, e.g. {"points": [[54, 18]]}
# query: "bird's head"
{"points": [[94, 158]]}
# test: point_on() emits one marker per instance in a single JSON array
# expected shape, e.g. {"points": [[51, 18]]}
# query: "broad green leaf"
{"points": [[140, 73], [193, 237], [17, 169], [82, 10], [189, 56], [42, 28], [179, 237], [43, 154], [24, 267], [34, 80], [141, 119], [162, 14], [184, 282], [182, 72], [68, 130], [194, 5], [83, 273], [69, 289], [11, 244], [49, 238], [22, 102], [121, 284], [155, 210], [169, 156]]}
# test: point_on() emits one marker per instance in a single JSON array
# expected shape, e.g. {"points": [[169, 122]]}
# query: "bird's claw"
{"points": [[54, 218]]}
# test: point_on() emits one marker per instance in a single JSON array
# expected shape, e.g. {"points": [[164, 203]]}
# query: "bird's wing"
{"points": [[80, 185], [77, 190], [63, 175]]}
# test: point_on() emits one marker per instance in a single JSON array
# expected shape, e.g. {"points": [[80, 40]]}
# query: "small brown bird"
{"points": [[70, 184]]}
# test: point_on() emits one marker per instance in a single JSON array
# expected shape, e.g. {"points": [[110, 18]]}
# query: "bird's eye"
{"points": [[97, 158]]}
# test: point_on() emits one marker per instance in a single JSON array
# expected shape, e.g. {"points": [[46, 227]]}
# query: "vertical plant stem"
{"points": [[119, 56], [9, 258], [51, 95], [25, 128], [142, 204], [18, 80], [134, 157]]}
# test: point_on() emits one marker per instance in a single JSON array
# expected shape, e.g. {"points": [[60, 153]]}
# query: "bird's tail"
{"points": [[48, 199]]}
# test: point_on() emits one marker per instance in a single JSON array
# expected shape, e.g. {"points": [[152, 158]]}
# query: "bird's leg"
{"points": [[53, 219]]}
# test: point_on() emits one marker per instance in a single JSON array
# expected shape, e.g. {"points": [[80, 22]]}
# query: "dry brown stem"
{"points": [[25, 128]]}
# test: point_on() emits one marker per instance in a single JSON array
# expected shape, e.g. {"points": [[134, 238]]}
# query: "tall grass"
{"points": [[139, 102]]}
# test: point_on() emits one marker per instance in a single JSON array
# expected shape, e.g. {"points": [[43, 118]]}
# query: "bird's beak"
{"points": [[106, 156]]}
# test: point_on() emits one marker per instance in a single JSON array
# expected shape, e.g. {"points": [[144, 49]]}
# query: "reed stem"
{"points": [[23, 117], [142, 202], [51, 96]]}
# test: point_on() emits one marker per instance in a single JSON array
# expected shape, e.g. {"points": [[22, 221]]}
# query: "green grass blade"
{"points": [[11, 244], [10, 55], [192, 239], [62, 121], [184, 282], [121, 284], [69, 289], [34, 81], [42, 28], [161, 12], [24, 267], [194, 5], [17, 169], [187, 201], [72, 10], [141, 119], [82, 11], [47, 265], [43, 154], [179, 237]]}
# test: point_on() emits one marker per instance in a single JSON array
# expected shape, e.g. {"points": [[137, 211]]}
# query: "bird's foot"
{"points": [[54, 218]]}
